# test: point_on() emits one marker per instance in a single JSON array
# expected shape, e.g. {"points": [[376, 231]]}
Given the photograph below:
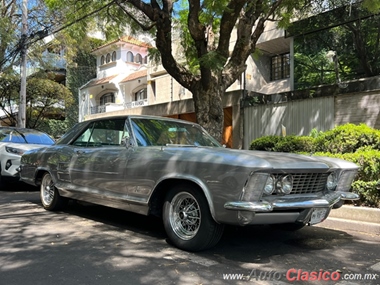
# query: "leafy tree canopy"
{"points": [[45, 99], [203, 45]]}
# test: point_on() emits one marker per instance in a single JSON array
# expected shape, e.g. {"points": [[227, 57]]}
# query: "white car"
{"points": [[13, 143]]}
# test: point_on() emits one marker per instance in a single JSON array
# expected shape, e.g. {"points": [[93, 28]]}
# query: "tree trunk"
{"points": [[209, 109]]}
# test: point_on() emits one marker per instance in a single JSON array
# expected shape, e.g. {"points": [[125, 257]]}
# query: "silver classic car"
{"points": [[175, 170]]}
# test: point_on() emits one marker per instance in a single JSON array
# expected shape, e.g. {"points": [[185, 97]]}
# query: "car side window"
{"points": [[102, 134]]}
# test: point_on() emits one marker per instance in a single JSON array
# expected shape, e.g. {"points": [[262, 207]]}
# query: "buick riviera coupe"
{"points": [[175, 170]]}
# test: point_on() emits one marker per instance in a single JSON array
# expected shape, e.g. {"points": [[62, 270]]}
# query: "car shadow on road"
{"points": [[242, 244], [121, 220], [251, 244]]}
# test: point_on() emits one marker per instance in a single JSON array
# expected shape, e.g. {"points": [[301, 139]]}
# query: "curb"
{"points": [[360, 219]]}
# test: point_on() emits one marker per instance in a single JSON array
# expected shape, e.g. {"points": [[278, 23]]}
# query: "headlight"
{"points": [[253, 189], [332, 181], [269, 185], [14, 150], [285, 184]]}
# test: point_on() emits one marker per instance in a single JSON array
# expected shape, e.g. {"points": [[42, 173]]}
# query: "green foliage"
{"points": [[367, 159], [351, 33], [315, 133], [295, 143], [283, 144], [369, 192], [267, 143], [367, 182], [79, 74], [55, 128], [348, 138], [359, 144], [372, 5]]}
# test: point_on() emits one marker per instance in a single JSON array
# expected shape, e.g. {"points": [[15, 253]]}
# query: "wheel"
{"points": [[188, 221], [289, 226], [50, 198]]}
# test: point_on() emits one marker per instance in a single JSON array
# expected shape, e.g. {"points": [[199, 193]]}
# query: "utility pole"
{"points": [[24, 50]]}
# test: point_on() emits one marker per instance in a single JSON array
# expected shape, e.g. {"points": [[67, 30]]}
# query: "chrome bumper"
{"points": [[288, 202]]}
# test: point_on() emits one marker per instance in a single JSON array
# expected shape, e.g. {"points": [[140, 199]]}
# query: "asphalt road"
{"points": [[87, 244]]}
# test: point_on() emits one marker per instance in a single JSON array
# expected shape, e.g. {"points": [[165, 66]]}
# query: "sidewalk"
{"points": [[361, 219]]}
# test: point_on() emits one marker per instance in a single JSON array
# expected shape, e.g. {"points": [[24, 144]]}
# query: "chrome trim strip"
{"points": [[284, 203]]}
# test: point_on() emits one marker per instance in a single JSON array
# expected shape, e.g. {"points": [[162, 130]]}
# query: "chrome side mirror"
{"points": [[127, 142]]}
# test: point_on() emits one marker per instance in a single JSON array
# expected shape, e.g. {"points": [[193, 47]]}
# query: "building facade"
{"points": [[121, 81], [127, 83]]}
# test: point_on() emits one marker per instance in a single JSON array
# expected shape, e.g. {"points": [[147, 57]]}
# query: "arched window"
{"points": [[140, 94], [130, 56], [114, 56], [146, 60], [138, 58], [108, 58], [102, 60], [107, 98]]}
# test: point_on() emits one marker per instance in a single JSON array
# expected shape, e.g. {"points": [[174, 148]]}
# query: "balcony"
{"points": [[109, 107], [135, 104]]}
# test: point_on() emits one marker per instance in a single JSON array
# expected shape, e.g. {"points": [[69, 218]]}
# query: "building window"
{"points": [[141, 94], [146, 60], [107, 98], [130, 56], [280, 66], [138, 58], [114, 56], [102, 60], [108, 58]]}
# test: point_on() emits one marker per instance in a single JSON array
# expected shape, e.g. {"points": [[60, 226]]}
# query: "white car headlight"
{"points": [[285, 184], [14, 150], [332, 181]]}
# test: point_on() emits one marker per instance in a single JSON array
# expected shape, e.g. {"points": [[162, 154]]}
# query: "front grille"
{"points": [[306, 183]]}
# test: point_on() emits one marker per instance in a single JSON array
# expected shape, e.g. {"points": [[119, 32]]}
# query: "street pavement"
{"points": [[354, 218], [94, 245]]}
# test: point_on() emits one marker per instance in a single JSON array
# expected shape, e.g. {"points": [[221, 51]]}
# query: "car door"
{"points": [[98, 165]]}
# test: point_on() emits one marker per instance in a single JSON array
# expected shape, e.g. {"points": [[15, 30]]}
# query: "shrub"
{"points": [[283, 144], [267, 143], [368, 161], [295, 144], [369, 192], [347, 138]]}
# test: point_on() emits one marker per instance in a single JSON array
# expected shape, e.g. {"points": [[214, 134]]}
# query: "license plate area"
{"points": [[319, 215]]}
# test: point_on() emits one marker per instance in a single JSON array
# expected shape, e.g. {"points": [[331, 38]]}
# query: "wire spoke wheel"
{"points": [[47, 190], [187, 219], [50, 198], [185, 215]]}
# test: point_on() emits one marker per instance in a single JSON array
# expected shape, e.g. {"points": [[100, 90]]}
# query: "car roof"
{"points": [[125, 117]]}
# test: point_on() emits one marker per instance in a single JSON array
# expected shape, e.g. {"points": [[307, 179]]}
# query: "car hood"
{"points": [[25, 146], [262, 159]]}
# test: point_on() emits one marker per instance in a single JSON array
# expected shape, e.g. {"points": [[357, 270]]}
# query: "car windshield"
{"points": [[25, 136], [154, 132]]}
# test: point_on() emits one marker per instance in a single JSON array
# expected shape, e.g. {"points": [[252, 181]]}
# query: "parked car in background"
{"points": [[13, 143], [175, 170]]}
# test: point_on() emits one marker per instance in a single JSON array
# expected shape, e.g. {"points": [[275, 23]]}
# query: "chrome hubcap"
{"points": [[47, 189], [185, 215]]}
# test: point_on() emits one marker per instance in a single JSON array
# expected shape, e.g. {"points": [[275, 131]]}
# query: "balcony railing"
{"points": [[135, 104], [109, 107]]}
